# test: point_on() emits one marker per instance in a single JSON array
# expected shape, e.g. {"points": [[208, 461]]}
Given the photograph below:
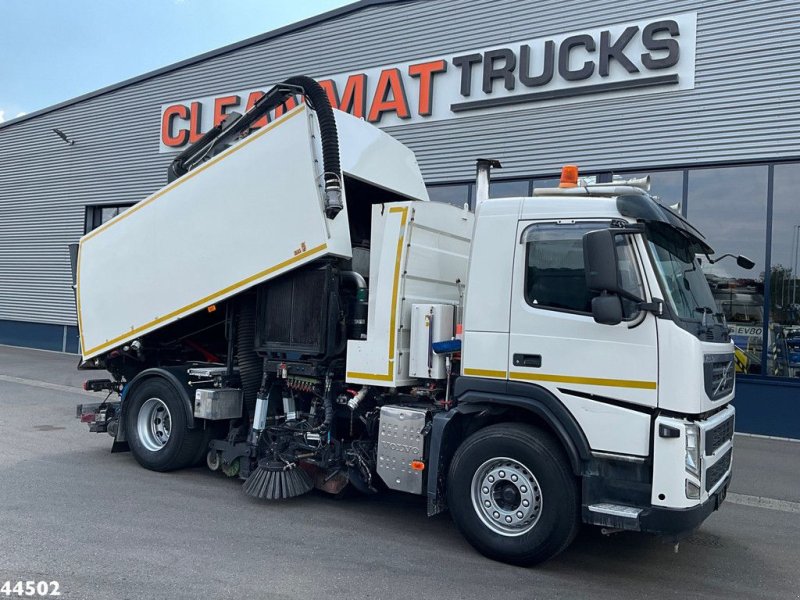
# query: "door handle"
{"points": [[528, 360]]}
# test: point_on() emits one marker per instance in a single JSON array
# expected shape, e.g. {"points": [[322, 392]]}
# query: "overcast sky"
{"points": [[54, 50]]}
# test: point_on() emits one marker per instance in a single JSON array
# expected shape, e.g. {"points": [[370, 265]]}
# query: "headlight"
{"points": [[693, 449]]}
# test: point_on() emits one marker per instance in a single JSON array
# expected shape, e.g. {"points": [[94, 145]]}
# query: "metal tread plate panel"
{"points": [[400, 442]]}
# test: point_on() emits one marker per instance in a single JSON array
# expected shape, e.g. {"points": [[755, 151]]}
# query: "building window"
{"points": [[546, 182], [729, 207], [505, 189], [509, 189], [783, 351], [457, 195], [97, 215], [666, 186]]}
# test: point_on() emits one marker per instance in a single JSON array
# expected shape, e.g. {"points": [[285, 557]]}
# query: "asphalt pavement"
{"points": [[104, 528]]}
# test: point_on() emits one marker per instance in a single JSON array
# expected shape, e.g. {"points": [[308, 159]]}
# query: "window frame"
{"points": [[93, 214], [525, 279]]}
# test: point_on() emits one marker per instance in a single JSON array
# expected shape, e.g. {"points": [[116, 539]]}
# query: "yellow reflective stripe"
{"points": [[403, 210], [485, 373], [372, 376], [210, 299], [624, 383], [388, 376]]}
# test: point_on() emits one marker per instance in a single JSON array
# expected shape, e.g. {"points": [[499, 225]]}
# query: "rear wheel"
{"points": [[512, 494], [157, 429]]}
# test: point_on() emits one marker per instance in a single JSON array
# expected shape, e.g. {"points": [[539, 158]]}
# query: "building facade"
{"points": [[703, 96]]}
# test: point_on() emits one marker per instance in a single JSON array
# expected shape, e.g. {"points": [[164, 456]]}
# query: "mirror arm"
{"points": [[719, 258], [622, 294], [656, 306]]}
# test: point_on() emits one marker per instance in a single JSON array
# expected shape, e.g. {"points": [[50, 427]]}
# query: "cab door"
{"points": [[555, 342]]}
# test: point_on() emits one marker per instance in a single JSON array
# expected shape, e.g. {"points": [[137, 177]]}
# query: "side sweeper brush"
{"points": [[277, 480]]}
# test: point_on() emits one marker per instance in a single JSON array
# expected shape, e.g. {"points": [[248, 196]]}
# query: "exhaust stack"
{"points": [[483, 177]]}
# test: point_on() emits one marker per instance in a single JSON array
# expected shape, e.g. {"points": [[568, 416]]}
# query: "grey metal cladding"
{"points": [[745, 106]]}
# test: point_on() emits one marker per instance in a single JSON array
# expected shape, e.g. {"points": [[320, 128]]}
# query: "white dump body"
{"points": [[247, 215]]}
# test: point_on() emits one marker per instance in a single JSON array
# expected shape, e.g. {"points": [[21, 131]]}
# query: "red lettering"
{"points": [[354, 97], [182, 135], [425, 72], [290, 103], [390, 96], [221, 105], [195, 122], [251, 102]]}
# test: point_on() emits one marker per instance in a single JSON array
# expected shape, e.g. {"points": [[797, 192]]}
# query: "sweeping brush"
{"points": [[277, 480]]}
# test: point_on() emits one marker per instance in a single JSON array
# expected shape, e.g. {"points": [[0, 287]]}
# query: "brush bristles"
{"points": [[277, 481]]}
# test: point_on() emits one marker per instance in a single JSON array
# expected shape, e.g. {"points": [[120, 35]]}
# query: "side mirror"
{"points": [[607, 309], [600, 258], [745, 262]]}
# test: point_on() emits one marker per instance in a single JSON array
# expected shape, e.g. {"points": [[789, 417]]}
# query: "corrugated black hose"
{"points": [[330, 140], [250, 364], [228, 131]]}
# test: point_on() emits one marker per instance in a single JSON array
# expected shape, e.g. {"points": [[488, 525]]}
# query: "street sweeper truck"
{"points": [[292, 310]]}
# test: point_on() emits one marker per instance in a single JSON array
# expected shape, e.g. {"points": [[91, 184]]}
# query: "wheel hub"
{"points": [[154, 424], [506, 496]]}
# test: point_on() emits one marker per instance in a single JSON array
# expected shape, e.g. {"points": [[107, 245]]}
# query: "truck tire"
{"points": [[512, 494], [155, 422]]}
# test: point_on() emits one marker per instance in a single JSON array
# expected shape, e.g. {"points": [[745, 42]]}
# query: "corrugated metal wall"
{"points": [[746, 105]]}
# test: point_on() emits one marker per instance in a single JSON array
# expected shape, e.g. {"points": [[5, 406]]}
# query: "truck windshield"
{"points": [[683, 282]]}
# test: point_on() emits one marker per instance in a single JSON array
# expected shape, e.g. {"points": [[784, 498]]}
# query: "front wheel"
{"points": [[157, 430], [512, 494]]}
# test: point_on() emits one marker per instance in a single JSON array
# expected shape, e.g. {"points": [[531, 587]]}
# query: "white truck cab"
{"points": [[640, 362]]}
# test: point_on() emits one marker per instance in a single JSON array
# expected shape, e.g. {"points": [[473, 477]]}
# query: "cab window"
{"points": [[555, 275]]}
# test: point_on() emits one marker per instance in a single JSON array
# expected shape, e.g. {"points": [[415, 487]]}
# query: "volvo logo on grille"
{"points": [[724, 378]]}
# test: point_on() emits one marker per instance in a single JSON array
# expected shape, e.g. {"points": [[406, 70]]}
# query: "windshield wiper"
{"points": [[706, 310]]}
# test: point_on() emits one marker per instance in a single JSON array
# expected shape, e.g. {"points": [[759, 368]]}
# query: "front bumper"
{"points": [[674, 522], [658, 520]]}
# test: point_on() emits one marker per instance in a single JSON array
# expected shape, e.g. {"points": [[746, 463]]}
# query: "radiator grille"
{"points": [[717, 471], [718, 436]]}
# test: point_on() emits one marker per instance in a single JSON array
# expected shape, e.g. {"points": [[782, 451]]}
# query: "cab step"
{"points": [[613, 516]]}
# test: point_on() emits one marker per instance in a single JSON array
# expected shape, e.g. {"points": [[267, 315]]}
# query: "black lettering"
{"points": [[547, 69], [672, 47], [567, 45], [504, 72], [465, 63], [616, 50]]}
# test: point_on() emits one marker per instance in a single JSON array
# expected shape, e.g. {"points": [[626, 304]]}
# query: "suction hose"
{"points": [[232, 128], [330, 140], [250, 367]]}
